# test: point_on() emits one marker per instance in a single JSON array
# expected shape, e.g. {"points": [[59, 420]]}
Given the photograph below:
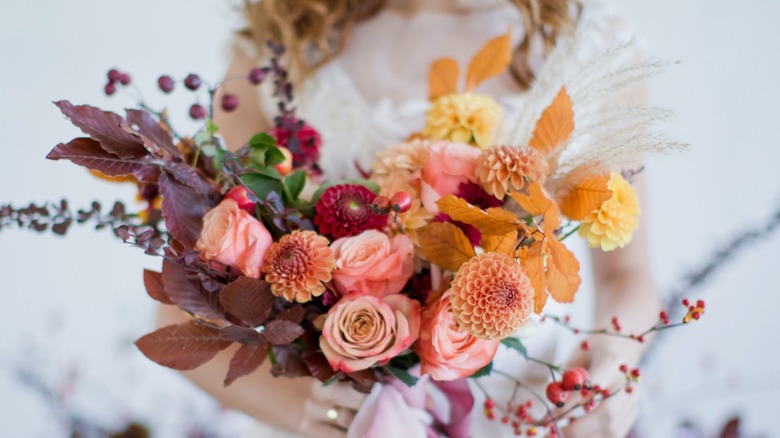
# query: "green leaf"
{"points": [[515, 344], [262, 184], [402, 375], [370, 185], [262, 140], [295, 182], [484, 371], [211, 127], [263, 150]]}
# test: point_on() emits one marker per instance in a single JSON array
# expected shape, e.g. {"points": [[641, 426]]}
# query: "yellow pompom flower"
{"points": [[612, 225], [463, 118]]}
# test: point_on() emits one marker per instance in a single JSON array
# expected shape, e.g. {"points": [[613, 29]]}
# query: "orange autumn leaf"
{"points": [[443, 78], [563, 271], [445, 245], [539, 204], [555, 125], [493, 58], [501, 244], [586, 196], [533, 263], [493, 222]]}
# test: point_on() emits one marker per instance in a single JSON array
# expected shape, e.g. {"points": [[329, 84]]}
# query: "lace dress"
{"points": [[375, 95]]}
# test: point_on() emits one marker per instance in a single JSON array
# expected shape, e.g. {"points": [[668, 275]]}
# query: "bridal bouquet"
{"points": [[421, 270]]}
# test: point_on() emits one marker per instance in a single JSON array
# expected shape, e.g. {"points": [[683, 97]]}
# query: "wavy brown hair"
{"points": [[316, 31]]}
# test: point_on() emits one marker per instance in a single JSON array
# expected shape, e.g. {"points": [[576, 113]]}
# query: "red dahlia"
{"points": [[305, 149], [475, 195], [345, 210]]}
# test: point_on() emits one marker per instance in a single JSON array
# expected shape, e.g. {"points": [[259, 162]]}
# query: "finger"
{"points": [[339, 393], [317, 429], [604, 421], [320, 411]]}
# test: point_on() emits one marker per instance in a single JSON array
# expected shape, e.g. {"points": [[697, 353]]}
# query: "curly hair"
{"points": [[316, 31]]}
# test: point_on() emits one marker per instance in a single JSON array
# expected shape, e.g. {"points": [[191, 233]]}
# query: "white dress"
{"points": [[375, 95]]}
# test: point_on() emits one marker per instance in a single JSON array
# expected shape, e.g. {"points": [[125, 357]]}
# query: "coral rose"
{"points": [[363, 330], [233, 237], [372, 263], [447, 351], [448, 165]]}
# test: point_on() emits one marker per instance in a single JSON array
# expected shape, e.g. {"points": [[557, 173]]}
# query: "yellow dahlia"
{"points": [[612, 225], [463, 118], [409, 156], [492, 296], [506, 168], [298, 264]]}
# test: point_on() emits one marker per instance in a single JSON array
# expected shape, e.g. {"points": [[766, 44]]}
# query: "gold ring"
{"points": [[332, 414]]}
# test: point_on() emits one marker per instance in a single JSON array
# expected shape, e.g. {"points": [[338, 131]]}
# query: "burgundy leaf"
{"points": [[246, 360], [147, 126], [184, 289], [293, 314], [363, 380], [282, 332], [189, 176], [183, 209], [731, 429], [318, 366], [88, 153], [289, 363], [240, 334], [154, 286], [183, 346], [249, 299], [104, 127]]}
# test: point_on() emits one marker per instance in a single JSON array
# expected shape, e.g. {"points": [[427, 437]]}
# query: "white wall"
{"points": [[78, 302]]}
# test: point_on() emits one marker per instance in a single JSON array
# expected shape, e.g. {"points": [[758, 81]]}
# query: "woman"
{"points": [[361, 67]]}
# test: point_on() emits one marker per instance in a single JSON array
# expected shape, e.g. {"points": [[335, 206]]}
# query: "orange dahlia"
{"points": [[504, 168], [492, 296], [298, 264]]}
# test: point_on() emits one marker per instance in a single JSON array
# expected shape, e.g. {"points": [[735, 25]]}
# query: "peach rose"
{"points": [[448, 352], [372, 263], [448, 165], [363, 330], [233, 237]]}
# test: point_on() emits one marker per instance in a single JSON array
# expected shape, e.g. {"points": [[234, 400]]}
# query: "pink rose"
{"points": [[233, 237], [448, 165], [373, 264], [363, 330], [447, 352]]}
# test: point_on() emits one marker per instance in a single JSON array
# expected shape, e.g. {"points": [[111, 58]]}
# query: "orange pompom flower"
{"points": [[298, 264], [492, 296], [506, 168]]}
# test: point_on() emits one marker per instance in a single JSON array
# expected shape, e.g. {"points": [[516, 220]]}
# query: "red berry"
{"points": [[110, 89], [585, 346], [635, 372], [629, 389], [165, 83], [664, 317], [239, 194], [700, 303], [685, 302], [124, 79], [572, 380], [192, 81], [624, 368], [256, 76], [640, 338], [489, 403], [696, 315], [229, 102], [381, 205], [401, 202], [114, 75], [197, 112], [557, 394], [605, 393], [505, 420]]}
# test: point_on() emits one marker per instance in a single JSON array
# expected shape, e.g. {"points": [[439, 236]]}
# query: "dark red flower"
{"points": [[345, 210], [475, 195], [473, 234], [306, 147]]}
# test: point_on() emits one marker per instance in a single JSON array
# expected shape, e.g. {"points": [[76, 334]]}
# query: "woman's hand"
{"points": [[330, 410]]}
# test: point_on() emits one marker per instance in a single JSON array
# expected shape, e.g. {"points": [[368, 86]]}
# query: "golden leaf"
{"points": [[493, 58], [443, 78], [555, 125], [445, 245], [493, 222], [586, 196], [539, 204], [533, 263], [501, 244], [563, 271]]}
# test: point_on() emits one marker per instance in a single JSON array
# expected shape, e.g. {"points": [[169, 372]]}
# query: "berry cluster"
{"points": [[400, 202], [115, 77], [694, 311], [574, 379], [632, 376]]}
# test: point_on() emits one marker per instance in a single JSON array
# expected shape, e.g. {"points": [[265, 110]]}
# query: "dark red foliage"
{"points": [[184, 289], [246, 360], [249, 299], [184, 346], [105, 127], [154, 286]]}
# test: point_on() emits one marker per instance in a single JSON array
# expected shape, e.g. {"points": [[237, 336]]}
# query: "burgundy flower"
{"points": [[306, 147], [475, 195], [345, 210], [473, 234]]}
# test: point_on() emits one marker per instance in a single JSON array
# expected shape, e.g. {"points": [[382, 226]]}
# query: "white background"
{"points": [[72, 306]]}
